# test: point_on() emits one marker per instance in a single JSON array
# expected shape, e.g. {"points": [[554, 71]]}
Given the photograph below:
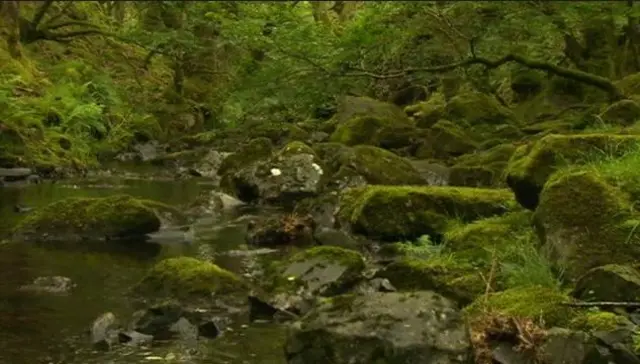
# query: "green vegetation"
{"points": [[185, 278], [490, 150]]}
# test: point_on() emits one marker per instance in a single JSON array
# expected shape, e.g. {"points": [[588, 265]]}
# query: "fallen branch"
{"points": [[587, 78], [603, 304]]}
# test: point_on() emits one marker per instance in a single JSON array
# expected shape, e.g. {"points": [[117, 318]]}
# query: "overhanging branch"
{"points": [[587, 78]]}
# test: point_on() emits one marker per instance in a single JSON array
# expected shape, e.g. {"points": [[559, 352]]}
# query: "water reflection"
{"points": [[41, 328]]}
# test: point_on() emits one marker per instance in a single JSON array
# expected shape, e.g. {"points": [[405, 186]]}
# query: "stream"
{"points": [[54, 329]]}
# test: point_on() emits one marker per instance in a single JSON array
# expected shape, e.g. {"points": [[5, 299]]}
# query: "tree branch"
{"points": [[603, 304], [42, 11], [587, 78]]}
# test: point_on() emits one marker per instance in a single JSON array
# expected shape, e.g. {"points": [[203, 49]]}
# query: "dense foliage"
{"points": [[99, 73]]}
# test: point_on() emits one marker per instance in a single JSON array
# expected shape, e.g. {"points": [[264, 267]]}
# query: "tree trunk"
{"points": [[10, 16]]}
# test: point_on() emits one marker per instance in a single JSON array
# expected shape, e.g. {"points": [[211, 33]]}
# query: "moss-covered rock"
{"points": [[248, 153], [322, 270], [379, 166], [450, 140], [630, 85], [352, 106], [584, 223], [474, 108], [119, 216], [532, 164], [623, 112], [598, 321], [429, 112], [527, 83], [185, 277], [376, 132], [498, 154], [405, 213], [612, 282], [473, 176], [479, 241], [456, 280], [296, 147], [534, 303]]}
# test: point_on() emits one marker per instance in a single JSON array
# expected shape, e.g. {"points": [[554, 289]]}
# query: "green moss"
{"points": [[351, 107], [474, 108], [549, 126], [450, 139], [534, 303], [297, 147], [346, 257], [405, 213], [531, 165], [455, 279], [359, 130], [473, 176], [623, 112], [429, 112], [185, 277], [591, 321], [630, 85], [76, 218], [379, 166], [582, 220]]}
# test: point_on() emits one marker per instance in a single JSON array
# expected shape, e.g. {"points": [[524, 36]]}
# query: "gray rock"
{"points": [[104, 331], [15, 173], [134, 338], [281, 179], [333, 237], [52, 284], [412, 328]]}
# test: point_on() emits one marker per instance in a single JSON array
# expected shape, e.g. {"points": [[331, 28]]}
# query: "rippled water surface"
{"points": [[37, 328]]}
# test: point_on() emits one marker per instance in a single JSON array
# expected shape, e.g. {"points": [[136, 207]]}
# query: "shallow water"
{"points": [[42, 328]]}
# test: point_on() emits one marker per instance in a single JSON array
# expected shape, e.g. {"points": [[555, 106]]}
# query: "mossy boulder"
{"points": [[534, 302], [531, 165], [479, 241], [114, 217], [473, 177], [405, 213], [429, 112], [248, 153], [599, 321], [186, 278], [584, 223], [369, 130], [296, 147], [448, 139], [623, 112], [612, 282], [494, 159], [379, 166], [351, 107], [474, 108], [458, 281]]}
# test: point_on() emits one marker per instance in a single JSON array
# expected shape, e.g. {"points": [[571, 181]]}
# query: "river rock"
{"points": [[53, 284], [75, 219], [413, 328], [104, 331], [284, 178]]}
